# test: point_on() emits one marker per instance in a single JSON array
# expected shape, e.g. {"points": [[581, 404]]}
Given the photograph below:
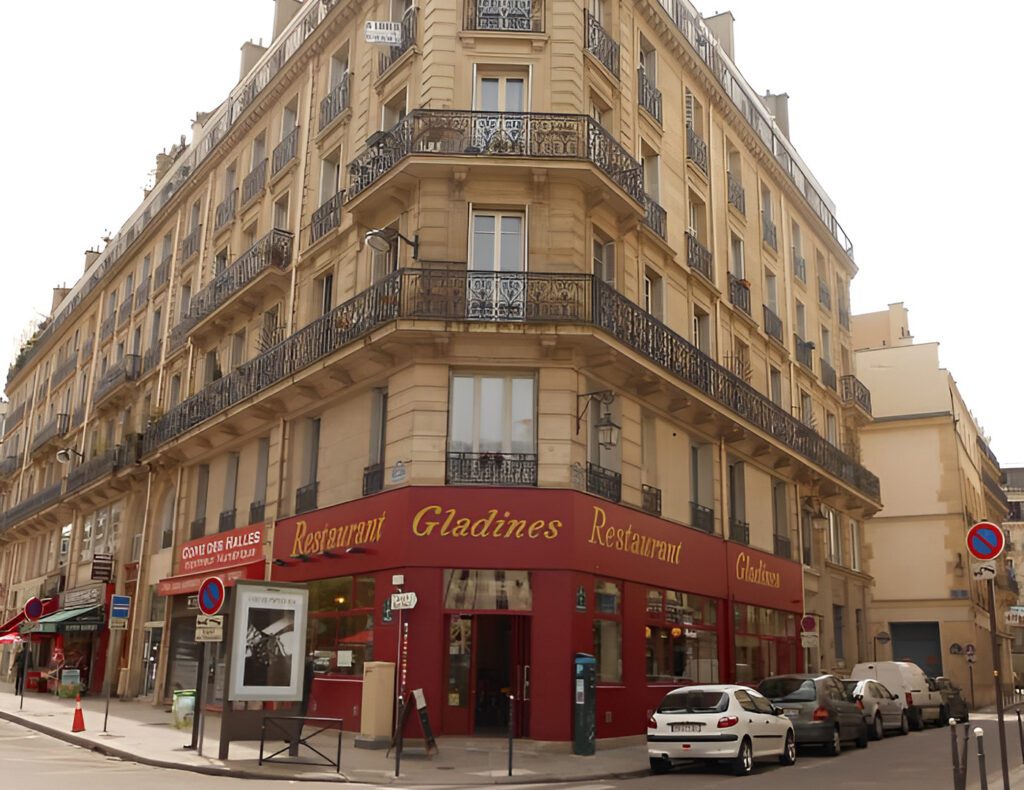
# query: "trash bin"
{"points": [[183, 708]]}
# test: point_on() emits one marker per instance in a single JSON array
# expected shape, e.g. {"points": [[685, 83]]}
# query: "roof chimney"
{"points": [[778, 105], [720, 26], [90, 258], [251, 53], [284, 11], [58, 297], [163, 164]]}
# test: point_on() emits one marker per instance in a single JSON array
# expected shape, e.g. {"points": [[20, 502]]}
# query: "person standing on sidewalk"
{"points": [[19, 670]]}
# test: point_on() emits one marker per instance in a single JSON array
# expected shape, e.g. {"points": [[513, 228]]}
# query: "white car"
{"points": [[732, 724]]}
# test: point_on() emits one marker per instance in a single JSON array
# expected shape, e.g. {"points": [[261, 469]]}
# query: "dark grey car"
{"points": [[820, 708], [952, 700]]}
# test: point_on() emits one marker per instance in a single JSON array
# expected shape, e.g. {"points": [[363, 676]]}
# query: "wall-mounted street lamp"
{"points": [[607, 430], [64, 455], [382, 239]]}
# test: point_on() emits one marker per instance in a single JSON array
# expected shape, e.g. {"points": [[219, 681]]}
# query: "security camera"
{"points": [[64, 456]]}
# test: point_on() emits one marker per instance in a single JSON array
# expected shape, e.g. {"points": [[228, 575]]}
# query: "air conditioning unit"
{"points": [[137, 548]]}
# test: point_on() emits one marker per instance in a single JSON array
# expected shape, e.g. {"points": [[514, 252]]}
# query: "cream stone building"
{"points": [[534, 255], [1013, 487], [940, 477]]}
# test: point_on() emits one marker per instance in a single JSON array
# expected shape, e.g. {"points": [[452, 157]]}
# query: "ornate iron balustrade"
{"points": [[737, 195], [15, 416], [142, 293], [225, 210], [161, 274], [501, 134], [698, 257], [335, 102], [107, 326], [254, 183], [197, 528], [305, 498], [768, 232], [179, 333], [783, 547], [152, 357], [702, 518], [739, 293], [772, 324], [55, 428], [285, 151], [274, 249], [124, 312], [799, 266], [696, 150], [604, 482], [655, 217], [824, 295], [11, 464], [387, 58], [828, 374], [32, 505], [804, 349], [739, 531], [648, 96], [854, 391], [64, 370], [257, 512], [600, 44], [190, 244], [226, 520], [650, 499], [117, 374], [373, 479], [510, 16], [981, 443], [326, 218], [494, 469]]}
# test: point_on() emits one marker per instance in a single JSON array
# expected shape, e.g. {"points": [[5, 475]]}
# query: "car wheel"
{"points": [[916, 721], [877, 730], [904, 723], [743, 764], [832, 749], [862, 737], [788, 756], [660, 765]]}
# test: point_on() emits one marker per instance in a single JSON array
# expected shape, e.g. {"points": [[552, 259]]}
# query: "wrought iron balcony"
{"points": [[273, 250], [493, 469], [499, 134], [254, 183], [373, 479], [197, 528], [698, 257], [600, 44], [828, 374], [124, 312], [702, 518], [54, 429], [696, 150], [604, 482], [772, 324], [225, 210], [87, 347], [650, 499], [824, 295], [854, 391], [655, 217], [739, 531], [511, 16], [804, 351], [257, 512], [285, 151], [226, 520], [648, 96], [783, 547], [127, 369], [305, 498], [11, 464], [737, 197], [107, 326], [14, 416], [326, 218], [799, 266], [63, 370], [161, 274], [32, 505], [739, 293], [190, 244], [768, 232], [152, 357], [391, 54], [335, 102], [142, 293]]}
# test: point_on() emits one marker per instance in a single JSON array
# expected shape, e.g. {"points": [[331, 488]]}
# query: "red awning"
{"points": [[50, 605], [189, 583]]}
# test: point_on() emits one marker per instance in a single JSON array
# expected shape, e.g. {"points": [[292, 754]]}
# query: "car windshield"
{"points": [[788, 690], [694, 702]]}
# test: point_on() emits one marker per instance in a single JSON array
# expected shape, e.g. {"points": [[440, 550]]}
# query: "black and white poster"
{"points": [[268, 642]]}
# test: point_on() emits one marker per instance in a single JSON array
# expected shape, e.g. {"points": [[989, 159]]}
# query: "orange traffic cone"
{"points": [[78, 725]]}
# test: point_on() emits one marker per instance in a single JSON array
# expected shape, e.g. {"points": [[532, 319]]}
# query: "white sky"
{"points": [[889, 106]]}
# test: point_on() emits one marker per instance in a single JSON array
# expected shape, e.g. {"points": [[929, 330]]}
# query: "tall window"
{"points": [[174, 391], [608, 630], [312, 459], [378, 426], [394, 109], [259, 493], [780, 509], [826, 345], [801, 320], [231, 486], [775, 385], [737, 266], [855, 545], [492, 414], [837, 630], [651, 165], [330, 175], [652, 295], [701, 329], [202, 491], [831, 429], [281, 216], [340, 633], [604, 258], [325, 292], [835, 538], [771, 291], [682, 643], [501, 93], [498, 241]]}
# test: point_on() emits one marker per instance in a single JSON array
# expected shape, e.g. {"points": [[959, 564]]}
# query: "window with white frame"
{"points": [[701, 329], [501, 92], [492, 413], [604, 257], [498, 243], [835, 538], [653, 297], [737, 266], [855, 545], [775, 385]]}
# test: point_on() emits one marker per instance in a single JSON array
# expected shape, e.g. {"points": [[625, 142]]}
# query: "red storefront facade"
{"points": [[511, 584]]}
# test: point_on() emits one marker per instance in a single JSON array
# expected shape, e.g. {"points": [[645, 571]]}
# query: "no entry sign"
{"points": [[211, 595], [985, 541]]}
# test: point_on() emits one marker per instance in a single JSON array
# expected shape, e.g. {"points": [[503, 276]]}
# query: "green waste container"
{"points": [[183, 708]]}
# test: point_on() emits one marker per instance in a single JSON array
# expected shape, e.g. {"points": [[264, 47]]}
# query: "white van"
{"points": [[924, 700]]}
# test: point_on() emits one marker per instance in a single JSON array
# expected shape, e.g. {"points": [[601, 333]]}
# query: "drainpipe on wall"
{"points": [[139, 619]]}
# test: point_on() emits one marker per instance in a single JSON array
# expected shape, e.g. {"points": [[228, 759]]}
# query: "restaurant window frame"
{"points": [[673, 623], [607, 630], [354, 615]]}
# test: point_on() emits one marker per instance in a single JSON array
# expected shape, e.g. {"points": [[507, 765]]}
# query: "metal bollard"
{"points": [[511, 728], [959, 772], [1020, 733], [979, 735]]}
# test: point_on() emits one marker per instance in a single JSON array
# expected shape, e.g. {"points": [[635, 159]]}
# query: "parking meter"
{"points": [[584, 704]]}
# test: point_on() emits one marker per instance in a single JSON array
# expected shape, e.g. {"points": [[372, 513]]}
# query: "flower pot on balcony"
{"points": [[744, 283]]}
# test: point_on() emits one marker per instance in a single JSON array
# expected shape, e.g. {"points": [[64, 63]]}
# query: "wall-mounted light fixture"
{"points": [[64, 455], [607, 430], [381, 240]]}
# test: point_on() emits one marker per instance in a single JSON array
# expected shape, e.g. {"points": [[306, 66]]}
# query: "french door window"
{"points": [[496, 283], [492, 414]]}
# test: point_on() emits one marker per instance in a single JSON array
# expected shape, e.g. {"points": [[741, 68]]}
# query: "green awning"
{"points": [[82, 618]]}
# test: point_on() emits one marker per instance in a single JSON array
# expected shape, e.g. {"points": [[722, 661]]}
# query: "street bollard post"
{"points": [[1020, 734], [511, 728], [979, 735], [958, 778]]}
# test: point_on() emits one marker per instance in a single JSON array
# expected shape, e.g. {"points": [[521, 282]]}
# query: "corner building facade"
{"points": [[539, 308]]}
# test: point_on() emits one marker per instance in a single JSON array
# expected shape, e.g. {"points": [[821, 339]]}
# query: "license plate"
{"points": [[686, 727], [791, 712]]}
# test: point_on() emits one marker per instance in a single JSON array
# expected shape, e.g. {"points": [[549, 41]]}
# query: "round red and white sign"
{"points": [[985, 541]]}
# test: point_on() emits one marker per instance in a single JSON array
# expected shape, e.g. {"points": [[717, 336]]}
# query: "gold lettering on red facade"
{"points": [[747, 571], [631, 542], [326, 537], [447, 523]]}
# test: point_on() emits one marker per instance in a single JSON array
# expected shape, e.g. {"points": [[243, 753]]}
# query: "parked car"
{"points": [[821, 710], [924, 702], [953, 699], [882, 709], [720, 723]]}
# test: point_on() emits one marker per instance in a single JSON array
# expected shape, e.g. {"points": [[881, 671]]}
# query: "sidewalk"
{"points": [[141, 733]]}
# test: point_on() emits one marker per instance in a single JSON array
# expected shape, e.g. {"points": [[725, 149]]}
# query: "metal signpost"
{"points": [[209, 628], [33, 611], [985, 542], [120, 606]]}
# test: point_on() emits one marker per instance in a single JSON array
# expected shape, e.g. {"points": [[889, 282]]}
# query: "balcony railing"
{"points": [[737, 197], [493, 469], [511, 16], [799, 266], [257, 511], [648, 96], [604, 482], [254, 183], [655, 217], [828, 374], [387, 58], [696, 150], [702, 518], [124, 312], [152, 357], [55, 428], [500, 134], [804, 352], [107, 326], [226, 520], [739, 531], [142, 293], [783, 547], [197, 528], [285, 151], [768, 232], [127, 369], [63, 370], [190, 244], [11, 464], [698, 257], [824, 295], [226, 210], [650, 499], [739, 293], [600, 44], [161, 274], [373, 479], [31, 505], [772, 324], [15, 416], [460, 295], [326, 218], [854, 391], [335, 102], [305, 498]]}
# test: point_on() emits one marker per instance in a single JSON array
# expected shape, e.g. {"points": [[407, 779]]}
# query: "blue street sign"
{"points": [[119, 606]]}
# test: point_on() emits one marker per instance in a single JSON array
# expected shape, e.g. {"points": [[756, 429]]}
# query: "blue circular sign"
{"points": [[211, 595], [985, 541], [33, 609]]}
